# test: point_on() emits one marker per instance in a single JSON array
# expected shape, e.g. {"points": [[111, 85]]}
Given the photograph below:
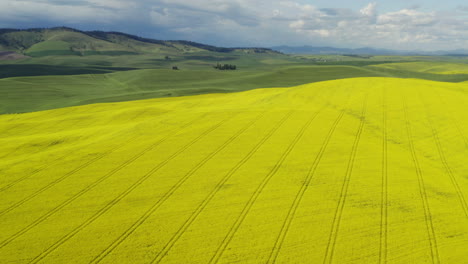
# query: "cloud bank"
{"points": [[250, 22]]}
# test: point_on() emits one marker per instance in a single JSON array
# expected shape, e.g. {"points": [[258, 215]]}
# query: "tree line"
{"points": [[223, 67]]}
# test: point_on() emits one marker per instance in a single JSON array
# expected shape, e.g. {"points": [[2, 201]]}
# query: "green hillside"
{"points": [[68, 41], [447, 68], [67, 67], [56, 81], [27, 94], [50, 47]]}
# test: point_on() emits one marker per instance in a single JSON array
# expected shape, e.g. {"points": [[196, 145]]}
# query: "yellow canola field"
{"points": [[364, 170], [427, 67]]}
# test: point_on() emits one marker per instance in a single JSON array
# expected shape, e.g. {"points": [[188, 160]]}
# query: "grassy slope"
{"points": [[446, 68], [50, 47], [56, 41], [107, 78], [38, 43], [25, 94], [242, 177]]}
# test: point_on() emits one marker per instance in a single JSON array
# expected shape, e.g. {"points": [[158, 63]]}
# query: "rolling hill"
{"points": [[362, 170], [447, 68], [27, 94], [69, 41], [366, 51]]}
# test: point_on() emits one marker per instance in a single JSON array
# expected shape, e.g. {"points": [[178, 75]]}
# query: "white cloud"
{"points": [[24, 10], [408, 17], [370, 10], [404, 29], [252, 22], [113, 4]]}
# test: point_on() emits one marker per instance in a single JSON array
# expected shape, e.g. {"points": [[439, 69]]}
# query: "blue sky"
{"points": [[396, 24]]}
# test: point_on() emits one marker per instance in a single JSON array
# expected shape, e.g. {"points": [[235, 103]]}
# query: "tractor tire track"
{"points": [[443, 159], [34, 172], [422, 191], [168, 194], [330, 250], [245, 211], [384, 198], [213, 193], [298, 199], [94, 184], [30, 143], [454, 119], [159, 257], [14, 182], [122, 195], [45, 112], [65, 176]]}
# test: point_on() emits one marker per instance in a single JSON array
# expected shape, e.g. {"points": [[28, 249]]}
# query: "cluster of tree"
{"points": [[358, 56], [225, 67]]}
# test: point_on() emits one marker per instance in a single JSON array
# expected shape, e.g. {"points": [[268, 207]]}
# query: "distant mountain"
{"points": [[331, 50], [361, 51], [68, 41], [38, 42]]}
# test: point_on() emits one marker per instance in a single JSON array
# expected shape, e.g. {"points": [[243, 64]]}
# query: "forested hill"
{"points": [[68, 41]]}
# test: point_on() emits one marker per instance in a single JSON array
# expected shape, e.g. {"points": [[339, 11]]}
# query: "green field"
{"points": [[361, 170], [428, 67], [84, 80], [26, 94], [67, 67]]}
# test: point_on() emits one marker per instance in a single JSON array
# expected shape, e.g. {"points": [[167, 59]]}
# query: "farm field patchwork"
{"points": [[29, 94], [427, 67], [361, 170]]}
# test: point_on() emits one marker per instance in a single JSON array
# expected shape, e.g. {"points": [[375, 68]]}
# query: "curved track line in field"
{"points": [[460, 131], [94, 184], [298, 199], [240, 219], [65, 176], [443, 159], [37, 115], [50, 164], [422, 191], [29, 143], [203, 204], [14, 182], [455, 120], [384, 197], [213, 193], [34, 172], [31, 118], [169, 193], [122, 195], [330, 250]]}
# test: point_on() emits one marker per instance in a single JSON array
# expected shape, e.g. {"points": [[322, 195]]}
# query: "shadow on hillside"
{"points": [[18, 70]]}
